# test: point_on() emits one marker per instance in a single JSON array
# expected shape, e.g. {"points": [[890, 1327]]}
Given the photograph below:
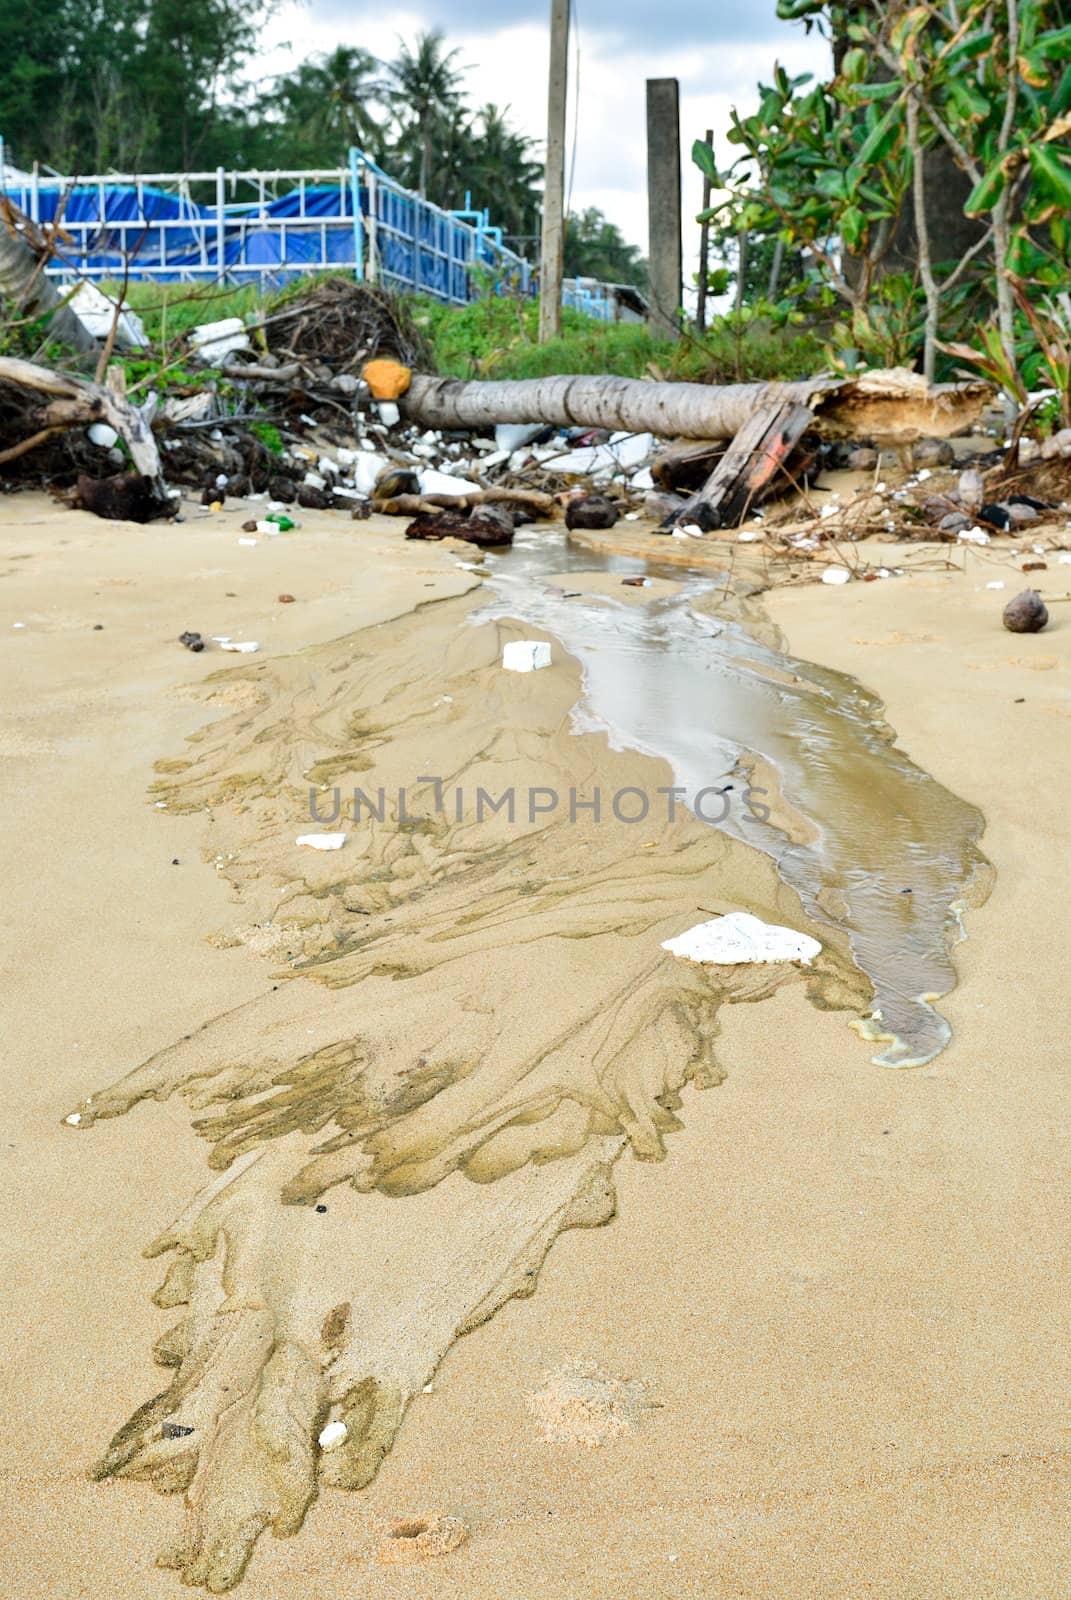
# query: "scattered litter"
{"points": [[96, 312], [526, 655], [997, 583], [74, 1119], [636, 583], [973, 535], [333, 1435], [836, 575], [248, 541], [100, 434], [741, 938], [389, 414], [322, 841], [215, 342], [244, 647], [387, 380], [18, 624]]}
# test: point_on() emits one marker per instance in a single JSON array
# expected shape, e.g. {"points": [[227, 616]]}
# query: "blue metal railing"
{"points": [[268, 227]]}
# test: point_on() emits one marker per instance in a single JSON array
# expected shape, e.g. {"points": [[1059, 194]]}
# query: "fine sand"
{"points": [[822, 1347]]}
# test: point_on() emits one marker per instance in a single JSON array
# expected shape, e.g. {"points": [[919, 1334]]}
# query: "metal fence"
{"points": [[269, 227]]}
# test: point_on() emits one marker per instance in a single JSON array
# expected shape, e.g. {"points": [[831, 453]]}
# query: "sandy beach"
{"points": [[810, 1312]]}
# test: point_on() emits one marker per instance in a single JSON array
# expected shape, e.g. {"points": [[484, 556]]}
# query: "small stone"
{"points": [[286, 599], [933, 453]]}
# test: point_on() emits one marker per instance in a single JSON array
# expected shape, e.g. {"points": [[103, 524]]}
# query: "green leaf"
{"points": [[881, 138], [1051, 173], [854, 65], [879, 91], [1055, 46], [853, 228], [703, 156], [974, 45], [984, 195]]}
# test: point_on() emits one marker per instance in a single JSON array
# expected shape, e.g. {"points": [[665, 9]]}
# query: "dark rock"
{"points": [[478, 529], [1027, 613], [395, 481], [862, 458], [995, 515], [192, 641], [314, 499], [124, 498], [590, 511], [933, 453], [283, 489]]}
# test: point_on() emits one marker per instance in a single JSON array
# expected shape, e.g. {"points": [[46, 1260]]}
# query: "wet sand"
{"points": [[854, 1340]]}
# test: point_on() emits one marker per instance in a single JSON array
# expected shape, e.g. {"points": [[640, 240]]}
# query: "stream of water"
{"points": [[872, 844]]}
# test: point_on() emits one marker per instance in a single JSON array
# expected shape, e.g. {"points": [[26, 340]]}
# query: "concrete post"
{"points": [[664, 204]]}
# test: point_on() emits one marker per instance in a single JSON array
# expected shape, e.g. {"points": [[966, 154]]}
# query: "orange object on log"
{"points": [[388, 380]]}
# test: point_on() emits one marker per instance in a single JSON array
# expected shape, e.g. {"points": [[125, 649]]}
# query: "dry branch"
{"points": [[76, 400]]}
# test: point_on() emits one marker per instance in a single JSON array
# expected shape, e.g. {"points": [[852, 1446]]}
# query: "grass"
{"points": [[496, 337]]}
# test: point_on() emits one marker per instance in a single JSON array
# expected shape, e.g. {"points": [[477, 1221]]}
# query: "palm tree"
{"points": [[503, 175], [425, 86], [328, 101]]}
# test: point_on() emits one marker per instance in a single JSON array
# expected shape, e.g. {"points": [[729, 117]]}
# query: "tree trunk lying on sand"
{"points": [[68, 401], [32, 294], [893, 408]]}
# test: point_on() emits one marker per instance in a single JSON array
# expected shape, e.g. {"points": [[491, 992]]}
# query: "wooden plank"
{"points": [[753, 461]]}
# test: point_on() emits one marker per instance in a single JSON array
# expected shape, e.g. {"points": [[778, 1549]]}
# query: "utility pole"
{"points": [[550, 270], [664, 204], [704, 250]]}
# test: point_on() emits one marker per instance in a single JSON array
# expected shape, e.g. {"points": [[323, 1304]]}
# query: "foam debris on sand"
{"points": [[525, 655], [322, 841], [738, 938]]}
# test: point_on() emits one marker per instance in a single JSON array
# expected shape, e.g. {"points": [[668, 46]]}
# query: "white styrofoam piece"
{"points": [[367, 469], [103, 436], [432, 482], [213, 342], [389, 414], [836, 575], [333, 1435], [740, 938], [322, 841], [526, 655]]}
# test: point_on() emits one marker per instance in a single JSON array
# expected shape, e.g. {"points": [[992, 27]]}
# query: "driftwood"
{"points": [[69, 401], [895, 407], [756, 458], [414, 505]]}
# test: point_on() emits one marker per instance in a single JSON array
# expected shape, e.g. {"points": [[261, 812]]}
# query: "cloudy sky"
{"points": [[718, 49]]}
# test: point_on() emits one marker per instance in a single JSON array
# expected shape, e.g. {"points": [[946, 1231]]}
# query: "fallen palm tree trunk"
{"points": [[32, 294], [59, 400], [895, 407]]}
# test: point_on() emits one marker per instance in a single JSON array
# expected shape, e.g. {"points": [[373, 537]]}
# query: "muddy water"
{"points": [[791, 757]]}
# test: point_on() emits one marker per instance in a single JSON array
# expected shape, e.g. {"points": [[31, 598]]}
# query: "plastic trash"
{"points": [[836, 575], [333, 1435], [103, 436], [96, 312], [432, 482], [739, 938], [322, 841], [214, 342], [526, 655]]}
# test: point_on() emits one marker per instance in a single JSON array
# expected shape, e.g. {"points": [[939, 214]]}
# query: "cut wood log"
{"points": [[754, 461], [894, 407], [74, 400]]}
